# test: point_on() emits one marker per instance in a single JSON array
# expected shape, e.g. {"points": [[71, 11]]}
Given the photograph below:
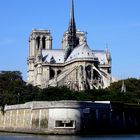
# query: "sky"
{"points": [[112, 22]]}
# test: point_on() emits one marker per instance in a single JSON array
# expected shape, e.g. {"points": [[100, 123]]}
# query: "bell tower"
{"points": [[39, 40]]}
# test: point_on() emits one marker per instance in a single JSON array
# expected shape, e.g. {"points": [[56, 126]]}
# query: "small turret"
{"points": [[123, 88], [108, 56]]}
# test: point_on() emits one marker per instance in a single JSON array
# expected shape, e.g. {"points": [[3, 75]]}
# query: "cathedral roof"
{"points": [[56, 55], [101, 55], [81, 52]]}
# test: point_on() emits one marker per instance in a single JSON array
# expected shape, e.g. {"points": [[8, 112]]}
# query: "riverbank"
{"points": [[70, 118]]}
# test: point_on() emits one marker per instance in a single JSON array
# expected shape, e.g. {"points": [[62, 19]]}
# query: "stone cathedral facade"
{"points": [[75, 65]]}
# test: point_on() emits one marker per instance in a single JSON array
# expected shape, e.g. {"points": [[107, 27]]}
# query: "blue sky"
{"points": [[112, 22]]}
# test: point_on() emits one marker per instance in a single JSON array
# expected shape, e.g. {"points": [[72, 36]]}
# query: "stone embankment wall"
{"points": [[62, 117], [23, 118], [69, 117]]}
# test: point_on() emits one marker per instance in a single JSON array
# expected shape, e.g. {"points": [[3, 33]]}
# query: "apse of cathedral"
{"points": [[75, 65]]}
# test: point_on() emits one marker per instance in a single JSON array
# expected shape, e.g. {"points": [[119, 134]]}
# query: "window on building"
{"points": [[59, 124], [58, 72], [77, 41], [52, 73], [69, 124], [65, 124], [95, 74], [38, 42], [88, 71], [43, 43]]}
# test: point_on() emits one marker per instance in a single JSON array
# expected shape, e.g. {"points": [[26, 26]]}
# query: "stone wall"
{"points": [[69, 117], [24, 118], [62, 117]]}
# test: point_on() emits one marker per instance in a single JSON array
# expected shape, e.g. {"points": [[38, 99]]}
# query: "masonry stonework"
{"points": [[69, 117], [75, 65]]}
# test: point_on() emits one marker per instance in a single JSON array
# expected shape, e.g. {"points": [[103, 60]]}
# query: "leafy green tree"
{"points": [[13, 90], [11, 85]]}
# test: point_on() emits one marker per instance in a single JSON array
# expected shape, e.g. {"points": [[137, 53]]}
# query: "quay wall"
{"points": [[23, 118], [42, 117], [66, 117]]}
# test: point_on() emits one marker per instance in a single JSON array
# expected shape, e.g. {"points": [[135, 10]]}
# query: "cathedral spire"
{"points": [[72, 39], [72, 20], [72, 28]]}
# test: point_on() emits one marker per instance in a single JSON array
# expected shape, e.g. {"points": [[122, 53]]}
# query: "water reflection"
{"points": [[6, 136]]}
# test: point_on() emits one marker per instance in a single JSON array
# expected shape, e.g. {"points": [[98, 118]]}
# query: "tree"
{"points": [[13, 90], [11, 85]]}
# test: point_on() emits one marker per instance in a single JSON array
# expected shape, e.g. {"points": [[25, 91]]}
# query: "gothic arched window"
{"points": [[38, 42], [52, 73], [58, 72], [88, 71], [43, 43]]}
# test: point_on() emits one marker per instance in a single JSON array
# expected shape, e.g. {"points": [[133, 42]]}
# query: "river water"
{"points": [[5, 136]]}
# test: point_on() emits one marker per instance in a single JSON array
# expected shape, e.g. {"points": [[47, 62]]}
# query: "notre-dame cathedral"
{"points": [[75, 65]]}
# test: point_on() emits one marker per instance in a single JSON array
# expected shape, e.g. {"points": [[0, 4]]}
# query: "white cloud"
{"points": [[6, 41]]}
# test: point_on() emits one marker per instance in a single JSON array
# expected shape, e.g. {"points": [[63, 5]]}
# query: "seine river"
{"points": [[34, 137]]}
